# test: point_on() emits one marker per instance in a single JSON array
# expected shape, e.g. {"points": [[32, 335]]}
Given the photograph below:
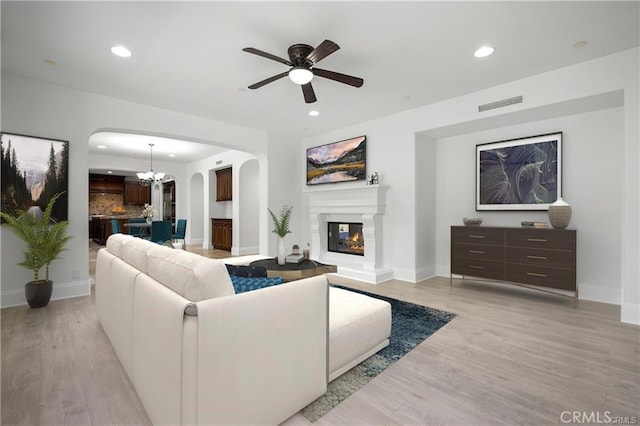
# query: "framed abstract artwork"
{"points": [[34, 169], [519, 174], [341, 161]]}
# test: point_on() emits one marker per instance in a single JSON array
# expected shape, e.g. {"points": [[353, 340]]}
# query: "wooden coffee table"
{"points": [[294, 271]]}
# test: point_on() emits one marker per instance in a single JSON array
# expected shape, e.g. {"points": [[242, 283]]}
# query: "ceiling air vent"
{"points": [[218, 162], [500, 104]]}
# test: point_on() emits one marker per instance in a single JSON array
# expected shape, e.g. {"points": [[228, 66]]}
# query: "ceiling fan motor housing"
{"points": [[298, 55]]}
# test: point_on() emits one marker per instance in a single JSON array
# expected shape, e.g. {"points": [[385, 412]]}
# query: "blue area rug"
{"points": [[410, 325]]}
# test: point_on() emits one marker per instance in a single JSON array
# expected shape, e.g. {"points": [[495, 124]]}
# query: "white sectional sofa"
{"points": [[197, 353]]}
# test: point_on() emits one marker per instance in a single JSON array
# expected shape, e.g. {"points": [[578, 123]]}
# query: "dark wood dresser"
{"points": [[544, 259]]}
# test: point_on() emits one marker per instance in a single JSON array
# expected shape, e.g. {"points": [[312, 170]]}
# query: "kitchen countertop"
{"points": [[114, 216]]}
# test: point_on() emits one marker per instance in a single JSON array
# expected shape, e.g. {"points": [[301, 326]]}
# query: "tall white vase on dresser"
{"points": [[560, 214]]}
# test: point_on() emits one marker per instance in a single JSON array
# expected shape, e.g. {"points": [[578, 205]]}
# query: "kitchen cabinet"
{"points": [[221, 234], [224, 184], [106, 184], [136, 194], [100, 228]]}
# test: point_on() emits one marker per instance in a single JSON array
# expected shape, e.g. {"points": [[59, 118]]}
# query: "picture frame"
{"points": [[519, 174], [34, 169], [342, 161]]}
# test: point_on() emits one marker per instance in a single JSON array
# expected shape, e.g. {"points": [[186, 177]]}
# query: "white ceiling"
{"points": [[188, 56]]}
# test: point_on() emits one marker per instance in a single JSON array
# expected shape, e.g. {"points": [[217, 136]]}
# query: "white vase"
{"points": [[560, 214], [149, 219], [282, 253]]}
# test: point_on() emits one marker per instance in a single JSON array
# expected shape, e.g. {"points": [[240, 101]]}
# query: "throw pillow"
{"points": [[243, 284]]}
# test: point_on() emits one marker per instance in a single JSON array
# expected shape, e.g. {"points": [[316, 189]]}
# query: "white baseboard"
{"points": [[376, 276], [630, 313], [15, 297], [243, 251], [599, 294], [414, 276]]}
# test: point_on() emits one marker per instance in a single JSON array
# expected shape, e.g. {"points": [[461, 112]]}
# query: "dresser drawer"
{"points": [[477, 235], [478, 268], [542, 238], [537, 275], [478, 252], [541, 257]]}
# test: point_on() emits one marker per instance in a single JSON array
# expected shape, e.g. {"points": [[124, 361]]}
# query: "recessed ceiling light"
{"points": [[109, 172], [172, 155], [101, 147], [121, 51], [579, 44], [314, 113], [483, 52]]}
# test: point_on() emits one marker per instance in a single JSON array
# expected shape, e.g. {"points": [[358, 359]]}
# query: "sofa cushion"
{"points": [[115, 243], [190, 275], [242, 284], [247, 271], [135, 252]]}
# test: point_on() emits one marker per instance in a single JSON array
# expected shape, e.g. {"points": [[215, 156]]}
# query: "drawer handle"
{"points": [[538, 240], [537, 257], [476, 236], [477, 251], [533, 274], [476, 267]]}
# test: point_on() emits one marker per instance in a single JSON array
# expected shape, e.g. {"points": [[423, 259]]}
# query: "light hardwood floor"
{"points": [[511, 356]]}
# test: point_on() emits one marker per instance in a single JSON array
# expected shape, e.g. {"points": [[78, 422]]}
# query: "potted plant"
{"points": [[281, 229], [45, 239]]}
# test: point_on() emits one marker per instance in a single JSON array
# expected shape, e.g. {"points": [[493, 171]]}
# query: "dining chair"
{"points": [[136, 231], [160, 231], [115, 226], [181, 229]]}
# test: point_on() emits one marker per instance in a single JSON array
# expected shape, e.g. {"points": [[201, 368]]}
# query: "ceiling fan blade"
{"points": [[323, 50], [309, 94], [342, 78], [267, 55], [268, 80]]}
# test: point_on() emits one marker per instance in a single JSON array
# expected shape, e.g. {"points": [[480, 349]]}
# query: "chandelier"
{"points": [[150, 177]]}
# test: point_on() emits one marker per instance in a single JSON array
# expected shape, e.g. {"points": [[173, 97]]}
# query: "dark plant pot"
{"points": [[38, 293]]}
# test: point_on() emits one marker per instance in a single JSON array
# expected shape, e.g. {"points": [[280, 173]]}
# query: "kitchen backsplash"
{"points": [[106, 203]]}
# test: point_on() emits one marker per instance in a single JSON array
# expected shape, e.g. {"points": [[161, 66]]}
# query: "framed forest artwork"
{"points": [[34, 169], [519, 174]]}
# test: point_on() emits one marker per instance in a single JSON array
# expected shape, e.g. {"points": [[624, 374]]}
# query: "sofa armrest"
{"points": [[262, 355]]}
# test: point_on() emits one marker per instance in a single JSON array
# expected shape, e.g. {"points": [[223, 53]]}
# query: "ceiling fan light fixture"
{"points": [[300, 75]]}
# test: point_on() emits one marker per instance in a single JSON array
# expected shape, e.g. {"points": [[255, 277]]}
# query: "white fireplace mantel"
{"points": [[353, 204]]}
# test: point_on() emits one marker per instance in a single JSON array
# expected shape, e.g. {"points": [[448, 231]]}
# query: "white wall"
{"points": [[284, 180], [603, 84], [38, 108], [593, 164], [426, 206], [249, 207], [233, 209]]}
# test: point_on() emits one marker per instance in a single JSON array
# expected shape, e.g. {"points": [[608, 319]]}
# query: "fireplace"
{"points": [[345, 237], [362, 206]]}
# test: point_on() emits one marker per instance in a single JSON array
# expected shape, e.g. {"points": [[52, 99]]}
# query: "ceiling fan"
{"points": [[302, 60]]}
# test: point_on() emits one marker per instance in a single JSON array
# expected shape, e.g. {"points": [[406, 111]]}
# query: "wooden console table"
{"points": [[543, 259]]}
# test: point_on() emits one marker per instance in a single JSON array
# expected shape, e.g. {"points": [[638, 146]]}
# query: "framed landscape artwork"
{"points": [[519, 174], [34, 169], [341, 161]]}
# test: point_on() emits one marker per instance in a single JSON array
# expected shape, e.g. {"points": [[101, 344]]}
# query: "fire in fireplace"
{"points": [[345, 238]]}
